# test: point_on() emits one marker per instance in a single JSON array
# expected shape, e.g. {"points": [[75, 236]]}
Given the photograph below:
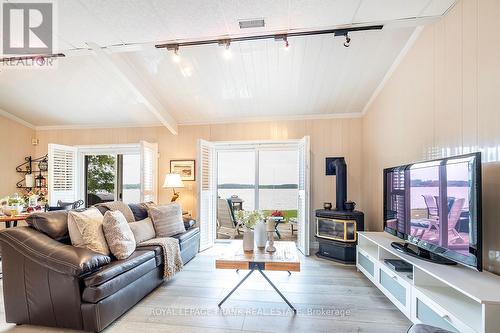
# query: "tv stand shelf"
{"points": [[456, 298]]}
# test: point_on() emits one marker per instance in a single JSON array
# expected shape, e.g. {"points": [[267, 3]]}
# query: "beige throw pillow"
{"points": [[143, 230], [167, 219], [118, 234], [86, 230]]}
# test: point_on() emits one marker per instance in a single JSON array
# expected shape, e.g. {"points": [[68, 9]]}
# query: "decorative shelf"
{"points": [[38, 167]]}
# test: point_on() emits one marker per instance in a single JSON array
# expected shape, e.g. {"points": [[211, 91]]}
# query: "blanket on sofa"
{"points": [[172, 261]]}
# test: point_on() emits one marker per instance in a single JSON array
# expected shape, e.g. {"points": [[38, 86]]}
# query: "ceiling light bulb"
{"points": [[227, 52], [175, 56]]}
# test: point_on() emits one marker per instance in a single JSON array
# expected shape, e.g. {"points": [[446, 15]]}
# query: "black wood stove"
{"points": [[336, 229]]}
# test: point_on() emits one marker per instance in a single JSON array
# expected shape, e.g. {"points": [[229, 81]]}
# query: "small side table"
{"points": [[13, 219]]}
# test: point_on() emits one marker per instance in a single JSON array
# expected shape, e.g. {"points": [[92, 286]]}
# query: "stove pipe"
{"points": [[341, 183]]}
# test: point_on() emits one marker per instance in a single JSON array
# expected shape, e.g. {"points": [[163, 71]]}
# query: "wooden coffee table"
{"points": [[284, 259]]}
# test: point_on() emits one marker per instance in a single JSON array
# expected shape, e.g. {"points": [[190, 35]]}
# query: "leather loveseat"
{"points": [[48, 282]]}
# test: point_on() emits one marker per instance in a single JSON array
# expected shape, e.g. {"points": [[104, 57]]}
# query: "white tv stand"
{"points": [[455, 298]]}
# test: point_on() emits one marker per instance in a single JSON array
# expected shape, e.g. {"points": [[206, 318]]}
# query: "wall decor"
{"points": [[330, 166], [185, 168]]}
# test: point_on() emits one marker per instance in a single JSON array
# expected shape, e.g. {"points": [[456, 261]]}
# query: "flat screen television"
{"points": [[435, 206]]}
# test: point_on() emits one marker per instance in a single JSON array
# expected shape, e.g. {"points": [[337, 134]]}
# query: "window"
{"points": [[103, 173]]}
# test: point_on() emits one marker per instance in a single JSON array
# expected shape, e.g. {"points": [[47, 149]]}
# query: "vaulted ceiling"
{"points": [[113, 75]]}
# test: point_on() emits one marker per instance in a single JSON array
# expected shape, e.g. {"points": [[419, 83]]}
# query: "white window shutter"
{"points": [[149, 172], [207, 194], [303, 212], [62, 174]]}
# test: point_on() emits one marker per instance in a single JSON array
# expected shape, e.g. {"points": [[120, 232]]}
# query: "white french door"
{"points": [[303, 204], [207, 190], [149, 171], [246, 157]]}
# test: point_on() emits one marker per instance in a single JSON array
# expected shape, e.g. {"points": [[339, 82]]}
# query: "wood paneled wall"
{"points": [[442, 100], [329, 137], [15, 145]]}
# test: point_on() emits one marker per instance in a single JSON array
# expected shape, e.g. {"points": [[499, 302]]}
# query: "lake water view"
{"points": [[269, 199]]}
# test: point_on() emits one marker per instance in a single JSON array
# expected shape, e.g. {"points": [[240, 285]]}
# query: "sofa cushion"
{"points": [[53, 224], [139, 210], [118, 267], [95, 293], [88, 231], [143, 230], [119, 236], [167, 219]]}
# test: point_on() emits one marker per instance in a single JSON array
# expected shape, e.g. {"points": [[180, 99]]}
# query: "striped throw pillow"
{"points": [[167, 219]]}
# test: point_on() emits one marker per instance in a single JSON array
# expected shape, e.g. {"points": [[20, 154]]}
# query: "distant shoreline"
{"points": [[250, 186]]}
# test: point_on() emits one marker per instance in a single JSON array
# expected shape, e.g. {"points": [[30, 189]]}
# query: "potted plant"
{"points": [[249, 219]]}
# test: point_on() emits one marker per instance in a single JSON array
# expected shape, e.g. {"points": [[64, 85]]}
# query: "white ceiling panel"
{"points": [[324, 13], [78, 92], [437, 7], [384, 10], [133, 21], [77, 26], [191, 18], [274, 12], [316, 76]]}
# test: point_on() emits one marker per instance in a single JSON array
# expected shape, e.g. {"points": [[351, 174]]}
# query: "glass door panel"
{"points": [[131, 178], [100, 178], [278, 179], [236, 177]]}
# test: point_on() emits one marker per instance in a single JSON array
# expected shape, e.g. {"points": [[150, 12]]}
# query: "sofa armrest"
{"points": [[188, 222], [49, 253]]}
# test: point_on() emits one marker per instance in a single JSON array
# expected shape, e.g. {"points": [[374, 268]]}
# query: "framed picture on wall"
{"points": [[186, 168]]}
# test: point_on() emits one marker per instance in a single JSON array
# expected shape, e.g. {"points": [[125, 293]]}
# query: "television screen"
{"points": [[436, 205]]}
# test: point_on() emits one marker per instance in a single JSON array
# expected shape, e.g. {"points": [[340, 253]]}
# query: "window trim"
{"points": [[105, 149]]}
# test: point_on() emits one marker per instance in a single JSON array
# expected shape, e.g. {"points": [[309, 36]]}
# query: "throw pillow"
{"points": [[85, 229], [118, 234], [54, 224], [143, 230], [167, 219], [139, 210]]}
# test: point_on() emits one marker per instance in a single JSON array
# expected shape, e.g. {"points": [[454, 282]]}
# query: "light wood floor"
{"points": [[329, 298]]}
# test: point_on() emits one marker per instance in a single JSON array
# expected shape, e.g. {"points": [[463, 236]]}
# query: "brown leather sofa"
{"points": [[48, 282]]}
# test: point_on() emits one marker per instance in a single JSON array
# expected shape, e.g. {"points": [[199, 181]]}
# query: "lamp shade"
{"points": [[173, 180]]}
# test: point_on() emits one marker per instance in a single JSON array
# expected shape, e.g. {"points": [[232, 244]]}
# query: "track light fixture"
{"points": [[227, 54], [284, 37], [175, 52], [347, 42]]}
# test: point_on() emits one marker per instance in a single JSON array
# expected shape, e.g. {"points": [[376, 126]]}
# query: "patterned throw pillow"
{"points": [[118, 234], [85, 230], [167, 219], [143, 230]]}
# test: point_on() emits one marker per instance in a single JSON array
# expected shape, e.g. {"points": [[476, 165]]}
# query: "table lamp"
{"points": [[173, 181]]}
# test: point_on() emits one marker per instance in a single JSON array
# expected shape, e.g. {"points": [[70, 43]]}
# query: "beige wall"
{"points": [[444, 95], [333, 137], [15, 145]]}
